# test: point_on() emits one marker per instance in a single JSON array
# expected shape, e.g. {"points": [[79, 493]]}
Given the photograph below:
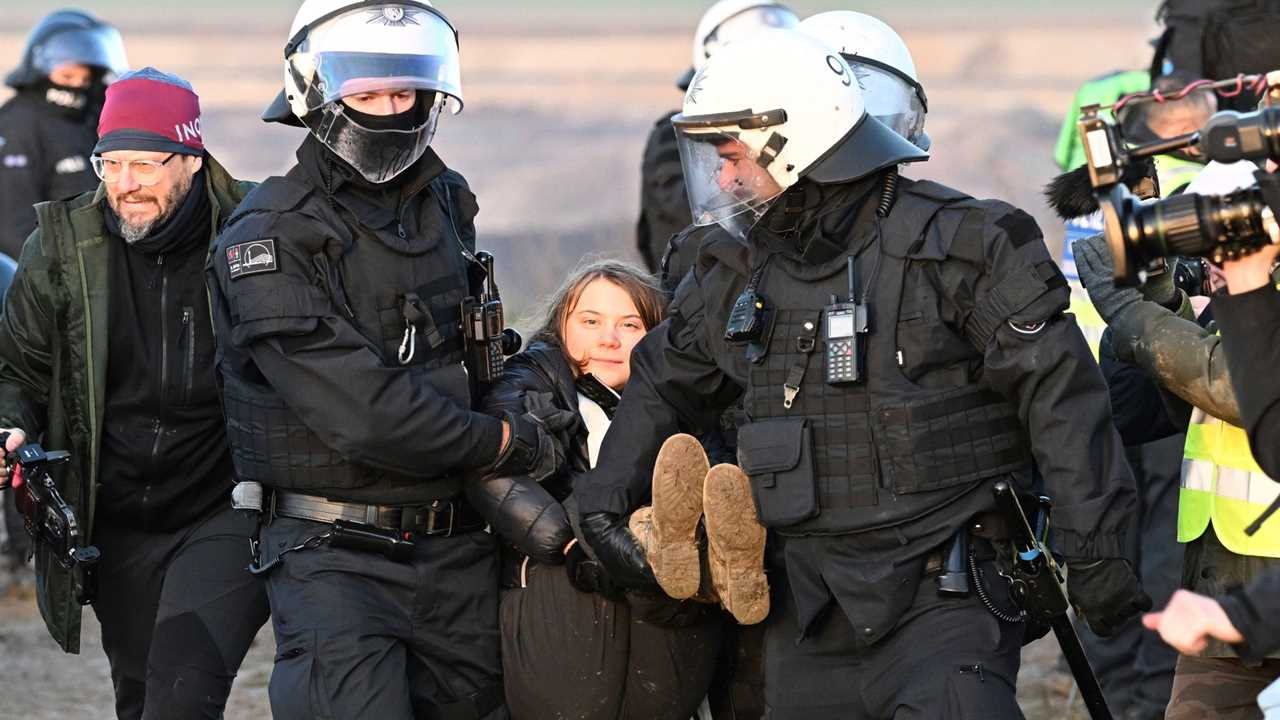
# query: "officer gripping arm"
{"points": [[326, 371], [1036, 356]]}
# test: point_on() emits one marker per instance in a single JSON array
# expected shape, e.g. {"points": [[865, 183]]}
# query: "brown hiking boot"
{"points": [[735, 544], [672, 546]]}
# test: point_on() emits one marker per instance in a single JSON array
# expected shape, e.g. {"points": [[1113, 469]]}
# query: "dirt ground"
{"points": [[550, 140]]}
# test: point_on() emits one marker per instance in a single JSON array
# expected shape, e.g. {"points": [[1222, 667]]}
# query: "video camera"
{"points": [[49, 519], [1142, 233], [489, 342]]}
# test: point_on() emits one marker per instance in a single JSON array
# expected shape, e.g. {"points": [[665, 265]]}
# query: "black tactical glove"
{"points": [[619, 551], [1160, 287], [1105, 593], [587, 574], [532, 449]]}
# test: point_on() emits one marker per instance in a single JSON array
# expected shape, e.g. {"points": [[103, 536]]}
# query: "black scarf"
{"points": [[192, 224]]}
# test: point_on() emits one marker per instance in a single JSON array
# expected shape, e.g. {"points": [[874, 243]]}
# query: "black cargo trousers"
{"points": [[359, 635], [949, 658], [178, 611]]}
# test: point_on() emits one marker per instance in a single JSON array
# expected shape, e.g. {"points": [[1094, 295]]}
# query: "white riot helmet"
{"points": [[339, 48], [883, 66], [767, 111], [730, 19]]}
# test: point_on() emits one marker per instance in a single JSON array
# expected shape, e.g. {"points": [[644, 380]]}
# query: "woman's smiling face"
{"points": [[601, 331]]}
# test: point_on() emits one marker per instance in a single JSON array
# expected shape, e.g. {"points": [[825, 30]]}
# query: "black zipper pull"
{"points": [[400, 229]]}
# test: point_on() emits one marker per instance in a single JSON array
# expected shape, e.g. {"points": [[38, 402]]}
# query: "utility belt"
{"points": [[440, 518], [391, 531]]}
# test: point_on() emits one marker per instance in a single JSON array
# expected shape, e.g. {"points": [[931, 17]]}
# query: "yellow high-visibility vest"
{"points": [[1223, 485]]}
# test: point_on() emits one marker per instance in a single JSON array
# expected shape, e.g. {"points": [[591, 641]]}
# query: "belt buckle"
{"points": [[434, 511]]}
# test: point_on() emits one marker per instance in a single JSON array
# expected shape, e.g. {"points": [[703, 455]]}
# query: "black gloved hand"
{"points": [[619, 551], [587, 575], [532, 449], [1105, 593]]}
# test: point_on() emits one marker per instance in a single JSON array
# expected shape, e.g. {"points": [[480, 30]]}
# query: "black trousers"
{"points": [[568, 654], [178, 613], [361, 636], [947, 659]]}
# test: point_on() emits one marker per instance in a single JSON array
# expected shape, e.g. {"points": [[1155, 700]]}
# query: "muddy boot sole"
{"points": [[735, 544], [677, 507]]}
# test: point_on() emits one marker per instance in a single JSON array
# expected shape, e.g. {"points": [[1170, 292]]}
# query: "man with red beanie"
{"points": [[106, 350]]}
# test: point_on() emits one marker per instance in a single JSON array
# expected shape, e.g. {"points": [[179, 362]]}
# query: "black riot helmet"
{"points": [[69, 36]]}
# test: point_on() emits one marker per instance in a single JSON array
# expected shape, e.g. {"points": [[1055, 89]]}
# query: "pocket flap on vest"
{"points": [[770, 446]]}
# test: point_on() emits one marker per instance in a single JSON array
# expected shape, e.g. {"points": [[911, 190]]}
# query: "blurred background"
{"points": [[560, 96]]}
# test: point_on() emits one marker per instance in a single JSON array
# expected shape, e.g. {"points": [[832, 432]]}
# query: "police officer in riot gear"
{"points": [[898, 346], [48, 130], [664, 207], [338, 290]]}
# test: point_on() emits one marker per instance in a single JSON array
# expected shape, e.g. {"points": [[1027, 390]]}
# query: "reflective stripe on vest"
{"points": [[1222, 484], [1174, 173]]}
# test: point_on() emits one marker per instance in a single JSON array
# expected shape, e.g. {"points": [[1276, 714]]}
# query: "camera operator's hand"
{"points": [[1105, 593], [1162, 289], [619, 551], [16, 439], [587, 575], [531, 448], [1093, 263], [1189, 620], [1251, 271]]}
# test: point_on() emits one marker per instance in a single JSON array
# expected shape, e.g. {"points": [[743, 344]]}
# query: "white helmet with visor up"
{"points": [[883, 66], [767, 111], [340, 48], [728, 20]]}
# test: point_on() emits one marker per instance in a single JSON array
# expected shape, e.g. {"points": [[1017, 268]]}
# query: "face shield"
{"points": [[98, 47], [728, 181], [747, 22], [371, 49], [379, 155], [897, 103]]}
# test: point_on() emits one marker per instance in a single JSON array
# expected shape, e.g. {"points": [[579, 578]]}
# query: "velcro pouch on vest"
{"points": [[950, 439], [283, 310], [1013, 294], [778, 456]]}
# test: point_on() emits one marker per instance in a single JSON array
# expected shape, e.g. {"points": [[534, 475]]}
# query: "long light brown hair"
{"points": [[641, 287]]}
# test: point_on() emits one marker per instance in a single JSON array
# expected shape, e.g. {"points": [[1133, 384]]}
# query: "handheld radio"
{"points": [[845, 328]]}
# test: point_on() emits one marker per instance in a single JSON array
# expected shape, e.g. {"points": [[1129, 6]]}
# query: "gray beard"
{"points": [[133, 233]]}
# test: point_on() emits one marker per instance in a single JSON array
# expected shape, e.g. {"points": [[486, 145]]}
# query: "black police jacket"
{"points": [[526, 514], [44, 155], [337, 307], [1250, 324], [973, 372]]}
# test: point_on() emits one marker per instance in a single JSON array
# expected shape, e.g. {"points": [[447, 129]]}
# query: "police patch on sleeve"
{"points": [[252, 258]]}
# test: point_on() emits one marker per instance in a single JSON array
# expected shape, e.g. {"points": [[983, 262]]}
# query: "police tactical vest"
{"points": [[850, 458], [405, 301]]}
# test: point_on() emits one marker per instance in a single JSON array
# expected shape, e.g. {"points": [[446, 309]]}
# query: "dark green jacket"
{"points": [[53, 359]]}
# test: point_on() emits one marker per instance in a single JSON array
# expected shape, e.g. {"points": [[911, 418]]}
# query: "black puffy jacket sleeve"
{"points": [[519, 509]]}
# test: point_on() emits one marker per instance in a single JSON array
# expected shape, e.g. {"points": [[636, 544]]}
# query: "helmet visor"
{"points": [[890, 99], [388, 47], [378, 155], [99, 47], [725, 179]]}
